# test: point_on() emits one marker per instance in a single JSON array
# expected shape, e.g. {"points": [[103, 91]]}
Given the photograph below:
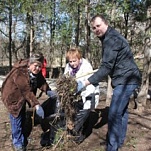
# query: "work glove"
{"points": [[81, 85], [39, 111], [52, 94]]}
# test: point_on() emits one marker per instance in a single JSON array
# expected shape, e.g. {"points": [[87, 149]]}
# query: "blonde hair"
{"points": [[73, 52]]}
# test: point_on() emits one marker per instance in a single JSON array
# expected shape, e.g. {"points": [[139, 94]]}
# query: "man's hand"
{"points": [[52, 94], [39, 111], [81, 85]]}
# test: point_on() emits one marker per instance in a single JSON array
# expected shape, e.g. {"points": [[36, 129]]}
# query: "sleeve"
{"points": [[110, 53], [84, 71], [42, 83], [43, 70], [45, 63], [25, 89], [86, 68]]}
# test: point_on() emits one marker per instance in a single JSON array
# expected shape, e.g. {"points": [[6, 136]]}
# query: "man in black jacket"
{"points": [[118, 63]]}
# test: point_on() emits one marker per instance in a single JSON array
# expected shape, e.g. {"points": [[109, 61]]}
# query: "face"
{"points": [[35, 68], [99, 27], [74, 62]]}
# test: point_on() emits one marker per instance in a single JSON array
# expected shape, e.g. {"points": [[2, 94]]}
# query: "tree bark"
{"points": [[109, 92], [142, 96], [10, 38]]}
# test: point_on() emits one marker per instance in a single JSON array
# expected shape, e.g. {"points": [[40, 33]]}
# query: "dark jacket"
{"points": [[117, 61], [16, 89]]}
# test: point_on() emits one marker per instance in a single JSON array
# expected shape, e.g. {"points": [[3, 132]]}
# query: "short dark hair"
{"points": [[36, 57], [100, 16]]}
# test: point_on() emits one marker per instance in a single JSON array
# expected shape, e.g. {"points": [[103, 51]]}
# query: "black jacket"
{"points": [[117, 61]]}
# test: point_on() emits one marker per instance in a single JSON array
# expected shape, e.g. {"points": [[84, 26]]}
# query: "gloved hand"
{"points": [[52, 94], [81, 85], [39, 111]]}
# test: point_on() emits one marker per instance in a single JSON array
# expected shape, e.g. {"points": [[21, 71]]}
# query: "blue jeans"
{"points": [[118, 116], [17, 128]]}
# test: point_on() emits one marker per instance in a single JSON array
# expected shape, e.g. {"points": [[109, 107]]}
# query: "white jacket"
{"points": [[90, 89]]}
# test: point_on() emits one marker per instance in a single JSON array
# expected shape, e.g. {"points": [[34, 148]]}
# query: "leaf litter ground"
{"points": [[137, 139]]}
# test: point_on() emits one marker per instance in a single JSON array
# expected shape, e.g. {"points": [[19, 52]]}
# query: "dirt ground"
{"points": [[138, 133]]}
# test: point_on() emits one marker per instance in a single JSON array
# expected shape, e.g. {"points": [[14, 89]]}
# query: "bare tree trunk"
{"points": [[31, 41], [87, 31], [52, 20], [28, 41], [78, 27], [109, 92], [10, 38], [142, 96], [52, 27]]}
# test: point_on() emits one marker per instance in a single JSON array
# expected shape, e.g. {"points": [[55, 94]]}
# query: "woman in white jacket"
{"points": [[77, 66]]}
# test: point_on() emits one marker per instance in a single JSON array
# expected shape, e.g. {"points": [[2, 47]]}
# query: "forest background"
{"points": [[52, 26]]}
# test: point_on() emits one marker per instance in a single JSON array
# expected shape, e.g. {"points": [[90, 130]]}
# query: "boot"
{"points": [[45, 139]]}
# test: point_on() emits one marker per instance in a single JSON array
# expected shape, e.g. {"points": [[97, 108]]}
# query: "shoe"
{"points": [[45, 143], [21, 148], [79, 139], [46, 140]]}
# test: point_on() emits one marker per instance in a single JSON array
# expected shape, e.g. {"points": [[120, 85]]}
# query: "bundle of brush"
{"points": [[66, 88]]}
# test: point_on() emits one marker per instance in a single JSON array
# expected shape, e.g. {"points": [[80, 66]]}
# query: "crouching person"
{"points": [[76, 67], [19, 88], [49, 123]]}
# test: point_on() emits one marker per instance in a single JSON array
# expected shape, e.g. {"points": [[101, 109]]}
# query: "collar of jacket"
{"points": [[106, 33]]}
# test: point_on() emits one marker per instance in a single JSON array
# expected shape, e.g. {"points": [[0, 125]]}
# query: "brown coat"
{"points": [[16, 89]]}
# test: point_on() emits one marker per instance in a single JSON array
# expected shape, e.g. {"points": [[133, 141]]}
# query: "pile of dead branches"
{"points": [[66, 89]]}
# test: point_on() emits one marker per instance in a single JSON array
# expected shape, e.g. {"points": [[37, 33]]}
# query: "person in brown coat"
{"points": [[19, 88]]}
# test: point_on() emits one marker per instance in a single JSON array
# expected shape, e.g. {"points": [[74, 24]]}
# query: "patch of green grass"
{"points": [[59, 138]]}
